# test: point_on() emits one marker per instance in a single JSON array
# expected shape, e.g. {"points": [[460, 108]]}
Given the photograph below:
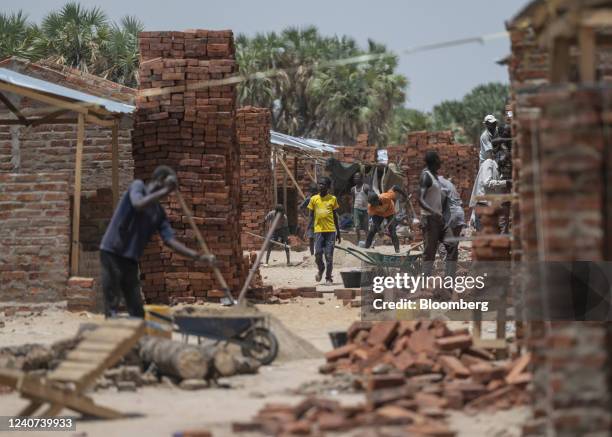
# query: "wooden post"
{"points": [[76, 210], [284, 189], [586, 41], [115, 163], [274, 183]]}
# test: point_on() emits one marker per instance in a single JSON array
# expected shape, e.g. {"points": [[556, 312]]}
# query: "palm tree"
{"points": [[17, 36], [121, 52], [76, 37]]}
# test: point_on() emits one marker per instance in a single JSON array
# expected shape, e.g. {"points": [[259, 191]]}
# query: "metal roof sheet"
{"points": [[22, 80], [305, 144]]}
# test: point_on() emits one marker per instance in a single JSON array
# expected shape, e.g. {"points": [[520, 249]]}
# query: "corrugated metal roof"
{"points": [[305, 144], [22, 80]]}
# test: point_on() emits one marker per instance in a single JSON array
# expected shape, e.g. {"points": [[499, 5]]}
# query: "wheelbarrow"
{"points": [[410, 262], [250, 332]]}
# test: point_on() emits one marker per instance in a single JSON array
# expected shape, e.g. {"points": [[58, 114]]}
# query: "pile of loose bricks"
{"points": [[412, 373], [191, 128], [256, 197]]}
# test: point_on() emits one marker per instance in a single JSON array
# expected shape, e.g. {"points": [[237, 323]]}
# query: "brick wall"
{"points": [[193, 131], [561, 167], [34, 236], [256, 197]]}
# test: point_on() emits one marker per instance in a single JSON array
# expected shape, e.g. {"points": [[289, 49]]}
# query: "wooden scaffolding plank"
{"points": [[76, 212]]}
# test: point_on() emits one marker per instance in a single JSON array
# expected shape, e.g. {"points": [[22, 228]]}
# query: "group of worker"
{"points": [[139, 215]]}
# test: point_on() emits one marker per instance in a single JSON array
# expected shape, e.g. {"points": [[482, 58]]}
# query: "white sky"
{"points": [[400, 24]]}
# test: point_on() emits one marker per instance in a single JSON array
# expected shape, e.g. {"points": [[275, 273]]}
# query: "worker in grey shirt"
{"points": [[454, 221], [491, 132], [359, 193], [430, 200]]}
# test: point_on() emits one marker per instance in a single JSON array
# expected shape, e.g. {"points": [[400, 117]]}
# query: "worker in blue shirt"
{"points": [[137, 217]]}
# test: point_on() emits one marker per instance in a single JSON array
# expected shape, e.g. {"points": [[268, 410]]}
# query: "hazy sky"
{"points": [[400, 24]]}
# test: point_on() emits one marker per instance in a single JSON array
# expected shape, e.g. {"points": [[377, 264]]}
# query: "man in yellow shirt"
{"points": [[381, 207], [323, 212]]}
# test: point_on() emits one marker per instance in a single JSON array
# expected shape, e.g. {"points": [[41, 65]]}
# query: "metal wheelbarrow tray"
{"points": [[250, 332]]}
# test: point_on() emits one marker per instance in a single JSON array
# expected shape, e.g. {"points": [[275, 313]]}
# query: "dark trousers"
{"points": [[120, 276], [433, 234], [452, 250], [376, 222], [324, 245], [282, 236]]}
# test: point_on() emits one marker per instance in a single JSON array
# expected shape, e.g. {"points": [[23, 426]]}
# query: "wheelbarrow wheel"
{"points": [[261, 344]]}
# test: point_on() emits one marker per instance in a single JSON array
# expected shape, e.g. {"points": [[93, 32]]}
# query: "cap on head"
{"points": [[490, 119]]}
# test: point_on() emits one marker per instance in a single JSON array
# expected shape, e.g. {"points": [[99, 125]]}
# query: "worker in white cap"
{"points": [[489, 133]]}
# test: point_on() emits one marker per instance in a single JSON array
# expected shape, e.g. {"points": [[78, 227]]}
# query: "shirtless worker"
{"points": [[137, 217], [430, 199]]}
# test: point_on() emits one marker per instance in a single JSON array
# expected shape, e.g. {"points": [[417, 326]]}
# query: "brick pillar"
{"points": [[571, 183], [256, 198], [193, 131]]}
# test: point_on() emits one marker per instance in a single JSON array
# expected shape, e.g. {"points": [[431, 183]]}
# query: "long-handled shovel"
{"points": [[229, 299]]}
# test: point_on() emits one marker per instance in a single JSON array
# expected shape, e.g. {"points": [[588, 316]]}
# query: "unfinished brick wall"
{"points": [[34, 236], [256, 197], [459, 161], [193, 131]]}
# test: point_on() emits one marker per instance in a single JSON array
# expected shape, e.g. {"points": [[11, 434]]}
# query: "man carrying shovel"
{"points": [[137, 217]]}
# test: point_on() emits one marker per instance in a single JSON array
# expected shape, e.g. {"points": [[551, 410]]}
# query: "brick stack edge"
{"points": [[192, 131], [34, 236], [256, 198]]}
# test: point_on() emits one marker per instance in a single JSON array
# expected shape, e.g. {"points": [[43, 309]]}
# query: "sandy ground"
{"points": [[165, 410]]}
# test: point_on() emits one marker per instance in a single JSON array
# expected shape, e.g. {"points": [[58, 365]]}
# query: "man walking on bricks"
{"points": [[137, 217], [323, 211]]}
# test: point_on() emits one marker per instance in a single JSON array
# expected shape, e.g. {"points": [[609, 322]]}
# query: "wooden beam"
{"points": [[47, 118], [284, 189], [292, 178], [76, 211], [560, 61], [12, 123], [310, 175], [586, 41], [82, 108], [13, 109], [115, 163]]}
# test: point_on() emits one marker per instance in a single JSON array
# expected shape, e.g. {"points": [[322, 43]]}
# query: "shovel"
{"points": [[229, 299]]}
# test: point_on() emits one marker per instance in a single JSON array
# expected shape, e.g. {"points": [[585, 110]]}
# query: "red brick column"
{"points": [[193, 131], [253, 133]]}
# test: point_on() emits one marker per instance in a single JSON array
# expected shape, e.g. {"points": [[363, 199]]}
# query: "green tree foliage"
{"points": [[465, 117], [17, 36], [407, 120], [335, 102]]}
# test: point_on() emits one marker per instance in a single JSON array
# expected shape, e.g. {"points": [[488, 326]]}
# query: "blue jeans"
{"points": [[324, 244]]}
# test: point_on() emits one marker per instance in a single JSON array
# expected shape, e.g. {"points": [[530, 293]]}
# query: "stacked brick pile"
{"points": [[34, 236], [81, 294], [424, 138], [459, 161], [256, 197], [412, 372], [488, 244], [193, 131]]}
